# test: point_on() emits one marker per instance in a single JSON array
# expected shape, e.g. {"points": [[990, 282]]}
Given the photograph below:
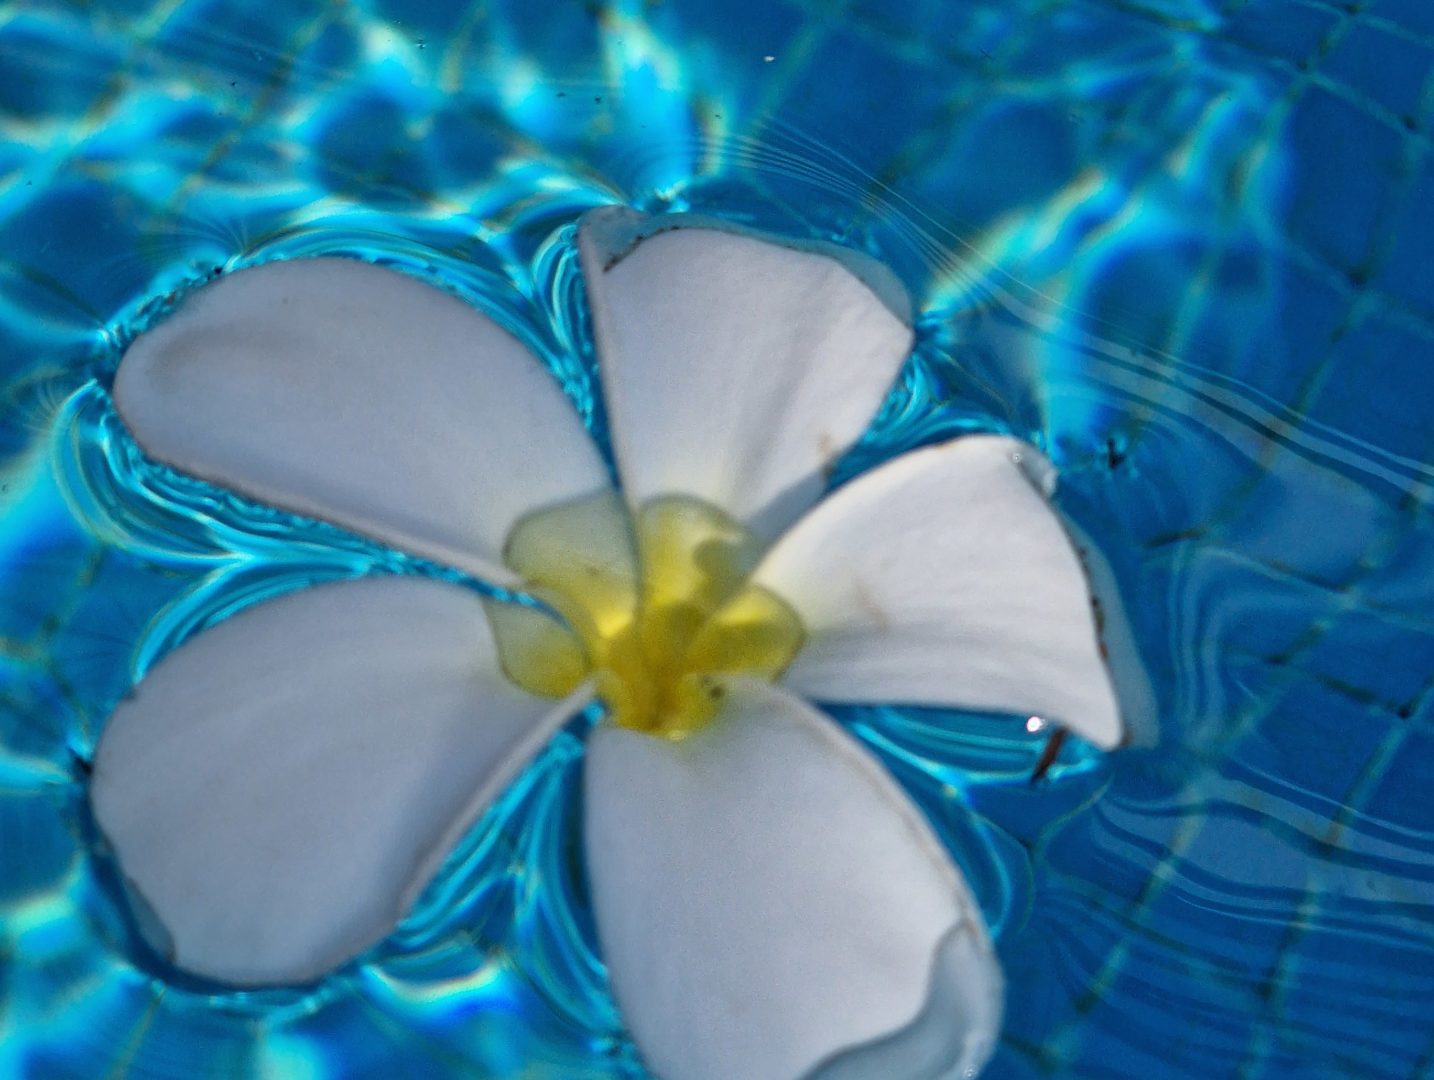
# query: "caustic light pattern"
{"points": [[769, 902]]}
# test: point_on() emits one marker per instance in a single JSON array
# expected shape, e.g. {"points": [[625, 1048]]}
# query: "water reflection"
{"points": [[1120, 229]]}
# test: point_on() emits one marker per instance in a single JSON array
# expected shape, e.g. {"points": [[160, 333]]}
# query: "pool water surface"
{"points": [[1183, 246]]}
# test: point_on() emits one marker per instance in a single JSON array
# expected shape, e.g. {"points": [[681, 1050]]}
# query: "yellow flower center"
{"points": [[658, 604]]}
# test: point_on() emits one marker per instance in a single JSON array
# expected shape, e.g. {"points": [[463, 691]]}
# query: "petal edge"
{"points": [[280, 787], [945, 578], [766, 895], [362, 396], [736, 368]]}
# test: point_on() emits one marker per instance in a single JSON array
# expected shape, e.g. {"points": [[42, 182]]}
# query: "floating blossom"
{"points": [[768, 901]]}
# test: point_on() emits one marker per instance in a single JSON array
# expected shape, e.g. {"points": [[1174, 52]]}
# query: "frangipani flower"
{"points": [[769, 903]]}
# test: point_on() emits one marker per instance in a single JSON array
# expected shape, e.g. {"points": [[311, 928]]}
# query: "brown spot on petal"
{"points": [[868, 604], [828, 449]]}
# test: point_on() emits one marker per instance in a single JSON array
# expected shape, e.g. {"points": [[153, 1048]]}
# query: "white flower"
{"points": [[768, 901]]}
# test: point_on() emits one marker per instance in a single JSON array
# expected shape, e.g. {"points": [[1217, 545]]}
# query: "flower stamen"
{"points": [[658, 608]]}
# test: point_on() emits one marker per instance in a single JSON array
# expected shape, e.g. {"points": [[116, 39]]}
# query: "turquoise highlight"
{"points": [[1180, 245]]}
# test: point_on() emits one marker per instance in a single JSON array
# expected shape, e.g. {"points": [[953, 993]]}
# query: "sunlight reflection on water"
{"points": [[1120, 231]]}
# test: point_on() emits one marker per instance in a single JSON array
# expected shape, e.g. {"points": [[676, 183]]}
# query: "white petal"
{"points": [[736, 369], [931, 1045], [945, 578], [361, 396], [767, 897], [279, 788]]}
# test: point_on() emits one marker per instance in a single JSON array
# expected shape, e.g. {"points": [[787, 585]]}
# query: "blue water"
{"points": [[1182, 244]]}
